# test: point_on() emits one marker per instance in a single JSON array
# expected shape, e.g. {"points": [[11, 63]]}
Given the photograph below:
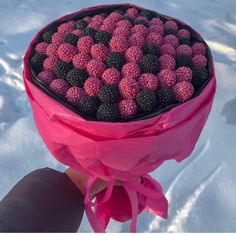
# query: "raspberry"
{"points": [[115, 16], [137, 39], [134, 54], [149, 63], [58, 38], [77, 32], [118, 44], [88, 19], [92, 86], [128, 109], [41, 47], [122, 32], [47, 36], [109, 94], [102, 37], [184, 50], [96, 68], [128, 88], [94, 25], [62, 68], [115, 60], [77, 77], [50, 63], [165, 97], [66, 52], [168, 49], [200, 76], [81, 60], [124, 24], [183, 91], [108, 113], [140, 29], [156, 29], [152, 49], [170, 24], [74, 95], [199, 49], [98, 19], [99, 51], [89, 105], [46, 77], [154, 38], [183, 74], [156, 21], [52, 50], [132, 12], [183, 33], [131, 70], [66, 27], [84, 44], [37, 62], [184, 60], [199, 61], [146, 100], [71, 39], [166, 78], [108, 28], [81, 24], [59, 87], [172, 40], [148, 81], [111, 76], [167, 62]]}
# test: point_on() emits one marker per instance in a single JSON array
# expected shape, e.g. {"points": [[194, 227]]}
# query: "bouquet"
{"points": [[116, 90]]}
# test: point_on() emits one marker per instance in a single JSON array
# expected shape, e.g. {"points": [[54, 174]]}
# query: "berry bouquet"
{"points": [[116, 90]]}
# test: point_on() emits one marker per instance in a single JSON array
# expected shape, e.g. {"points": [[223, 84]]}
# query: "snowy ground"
{"points": [[202, 189]]}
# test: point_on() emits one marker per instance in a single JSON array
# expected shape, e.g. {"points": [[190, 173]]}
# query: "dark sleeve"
{"points": [[43, 201]]}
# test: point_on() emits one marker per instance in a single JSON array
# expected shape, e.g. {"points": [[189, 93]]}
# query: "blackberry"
{"points": [[108, 113], [128, 19], [109, 94], [183, 41], [184, 60], [71, 39], [89, 105], [115, 60], [152, 49], [37, 62], [81, 24], [102, 37], [165, 97], [120, 11], [104, 14], [146, 14], [149, 64], [62, 69], [146, 100], [169, 31], [77, 77], [90, 32], [139, 21], [47, 36], [200, 76]]}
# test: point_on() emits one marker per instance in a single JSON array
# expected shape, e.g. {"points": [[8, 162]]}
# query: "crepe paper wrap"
{"points": [[119, 151]]}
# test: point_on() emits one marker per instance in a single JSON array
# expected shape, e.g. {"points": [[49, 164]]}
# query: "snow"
{"points": [[201, 190]]}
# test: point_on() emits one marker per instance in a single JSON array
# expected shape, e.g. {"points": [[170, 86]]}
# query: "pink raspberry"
{"points": [[58, 38], [81, 60], [66, 52], [124, 24], [66, 27], [171, 39], [142, 18], [111, 76], [184, 50], [41, 47], [129, 88], [50, 63], [88, 19], [183, 91], [99, 51], [74, 94], [118, 44], [59, 86], [52, 50], [108, 27], [94, 25], [140, 29], [92, 85], [84, 44], [46, 77], [170, 24], [137, 39], [166, 78], [199, 61], [78, 32], [98, 19], [115, 16], [148, 81], [134, 54], [156, 29], [132, 11], [109, 21], [168, 49], [167, 62], [156, 21], [131, 70], [199, 49], [121, 31], [183, 74], [95, 68], [154, 38], [183, 33], [128, 108]]}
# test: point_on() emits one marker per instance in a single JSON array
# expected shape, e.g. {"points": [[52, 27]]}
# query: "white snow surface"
{"points": [[202, 189]]}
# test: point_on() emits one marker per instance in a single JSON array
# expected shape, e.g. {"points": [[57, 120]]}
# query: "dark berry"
{"points": [[115, 60], [120, 11], [71, 39], [152, 49], [169, 31], [184, 60], [183, 41], [81, 24], [128, 18], [89, 105], [104, 14], [47, 36], [102, 37], [108, 113], [109, 94], [149, 64], [140, 21], [37, 62], [146, 100], [77, 77], [62, 69], [200, 76], [165, 97], [146, 14], [90, 32]]}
